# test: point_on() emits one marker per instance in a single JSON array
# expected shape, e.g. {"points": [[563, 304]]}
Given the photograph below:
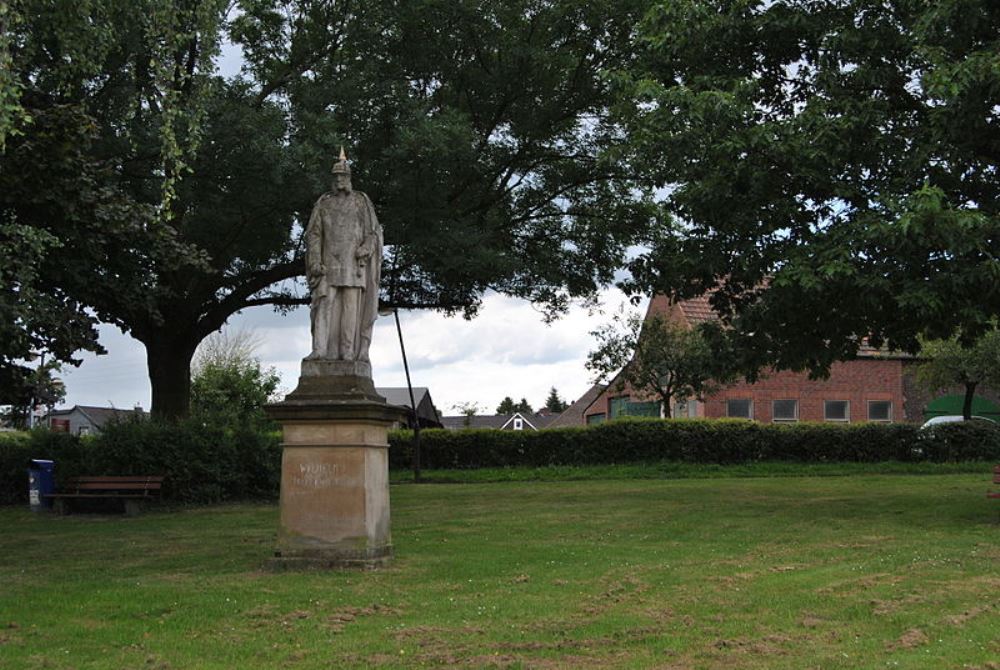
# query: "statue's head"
{"points": [[342, 174]]}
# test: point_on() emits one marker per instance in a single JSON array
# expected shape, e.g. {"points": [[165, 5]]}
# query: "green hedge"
{"points": [[202, 463], [722, 441]]}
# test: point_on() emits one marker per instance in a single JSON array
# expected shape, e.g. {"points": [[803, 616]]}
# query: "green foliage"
{"points": [[508, 406], [178, 195], [229, 387], [720, 441], [202, 462], [823, 154], [951, 363], [554, 403], [658, 358]]}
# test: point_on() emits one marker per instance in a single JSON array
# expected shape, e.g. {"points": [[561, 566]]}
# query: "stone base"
{"points": [[334, 481], [323, 381]]}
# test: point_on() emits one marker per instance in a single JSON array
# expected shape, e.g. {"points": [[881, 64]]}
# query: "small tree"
{"points": [[949, 363], [229, 385], [658, 358], [506, 406], [523, 407], [468, 410], [554, 403]]}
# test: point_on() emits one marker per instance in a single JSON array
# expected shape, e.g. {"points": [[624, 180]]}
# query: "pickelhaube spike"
{"points": [[342, 166]]}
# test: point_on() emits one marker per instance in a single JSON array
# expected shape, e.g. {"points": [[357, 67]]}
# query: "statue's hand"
{"points": [[315, 277]]}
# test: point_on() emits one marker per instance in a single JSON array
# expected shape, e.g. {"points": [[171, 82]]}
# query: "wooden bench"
{"points": [[131, 490], [996, 481]]}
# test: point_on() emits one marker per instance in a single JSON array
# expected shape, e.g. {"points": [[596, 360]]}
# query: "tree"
{"points": [[506, 406], [35, 319], [832, 166], [229, 387], [468, 410], [948, 363], [658, 358], [523, 407], [554, 403], [23, 389], [477, 127]]}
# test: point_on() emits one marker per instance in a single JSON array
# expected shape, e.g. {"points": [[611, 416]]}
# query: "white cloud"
{"points": [[506, 350]]}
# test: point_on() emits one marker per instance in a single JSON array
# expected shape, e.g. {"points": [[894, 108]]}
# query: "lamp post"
{"points": [[413, 404]]}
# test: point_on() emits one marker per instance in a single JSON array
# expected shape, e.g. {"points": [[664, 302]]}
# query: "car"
{"points": [[953, 418]]}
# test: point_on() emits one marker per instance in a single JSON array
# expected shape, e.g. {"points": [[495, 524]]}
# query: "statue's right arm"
{"points": [[314, 246]]}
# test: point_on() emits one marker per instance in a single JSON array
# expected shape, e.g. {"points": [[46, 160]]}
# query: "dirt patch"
{"points": [[859, 584], [618, 591], [866, 542], [785, 568], [961, 619], [426, 636], [770, 645], [521, 579], [911, 639], [883, 607], [345, 615], [810, 621]]}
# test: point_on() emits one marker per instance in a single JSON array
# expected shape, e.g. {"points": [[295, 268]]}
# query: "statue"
{"points": [[343, 268]]}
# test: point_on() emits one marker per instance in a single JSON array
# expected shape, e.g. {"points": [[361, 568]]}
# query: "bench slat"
{"points": [[120, 486], [115, 479], [92, 495]]}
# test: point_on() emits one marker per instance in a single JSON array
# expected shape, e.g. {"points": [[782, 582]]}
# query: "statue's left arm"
{"points": [[372, 241]]}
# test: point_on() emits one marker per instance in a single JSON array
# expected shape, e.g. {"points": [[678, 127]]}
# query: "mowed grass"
{"points": [[875, 571]]}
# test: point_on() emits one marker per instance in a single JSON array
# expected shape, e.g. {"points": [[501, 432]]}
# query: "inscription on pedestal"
{"points": [[317, 475]]}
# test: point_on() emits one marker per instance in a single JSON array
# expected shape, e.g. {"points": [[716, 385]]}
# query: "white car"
{"points": [[952, 418]]}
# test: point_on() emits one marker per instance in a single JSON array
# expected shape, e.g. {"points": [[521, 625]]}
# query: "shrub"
{"points": [[721, 441], [202, 463]]}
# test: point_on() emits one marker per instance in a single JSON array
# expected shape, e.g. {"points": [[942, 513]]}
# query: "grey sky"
{"points": [[507, 350]]}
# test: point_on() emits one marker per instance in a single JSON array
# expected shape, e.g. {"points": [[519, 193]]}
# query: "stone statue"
{"points": [[343, 268]]}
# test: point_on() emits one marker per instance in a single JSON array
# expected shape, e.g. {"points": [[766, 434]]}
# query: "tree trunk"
{"points": [[970, 393], [169, 363]]}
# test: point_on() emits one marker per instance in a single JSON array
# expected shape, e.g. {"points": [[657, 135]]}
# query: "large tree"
{"points": [[476, 126], [833, 165]]}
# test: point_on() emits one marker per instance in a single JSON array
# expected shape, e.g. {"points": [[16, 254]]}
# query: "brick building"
{"points": [[876, 386]]}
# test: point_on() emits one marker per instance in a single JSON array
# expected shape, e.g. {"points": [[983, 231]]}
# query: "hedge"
{"points": [[205, 463], [202, 463], [719, 441]]}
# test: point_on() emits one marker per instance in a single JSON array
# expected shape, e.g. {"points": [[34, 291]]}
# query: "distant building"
{"points": [[872, 387], [515, 421], [87, 420], [573, 415], [426, 412]]}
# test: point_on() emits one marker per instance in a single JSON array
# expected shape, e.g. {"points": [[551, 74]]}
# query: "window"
{"points": [[879, 410], [837, 410], [84, 430], [595, 418], [785, 410], [617, 407], [518, 424], [740, 408], [686, 409]]}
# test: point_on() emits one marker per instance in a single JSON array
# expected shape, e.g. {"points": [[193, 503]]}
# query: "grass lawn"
{"points": [[865, 571]]}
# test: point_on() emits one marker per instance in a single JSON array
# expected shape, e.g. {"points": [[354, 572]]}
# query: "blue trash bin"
{"points": [[41, 480]]}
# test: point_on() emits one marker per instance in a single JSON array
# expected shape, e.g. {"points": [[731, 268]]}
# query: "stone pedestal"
{"points": [[334, 472]]}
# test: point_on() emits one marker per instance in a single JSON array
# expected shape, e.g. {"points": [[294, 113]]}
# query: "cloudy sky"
{"points": [[507, 350]]}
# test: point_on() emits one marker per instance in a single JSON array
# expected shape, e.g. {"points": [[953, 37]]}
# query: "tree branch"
{"points": [[216, 315]]}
